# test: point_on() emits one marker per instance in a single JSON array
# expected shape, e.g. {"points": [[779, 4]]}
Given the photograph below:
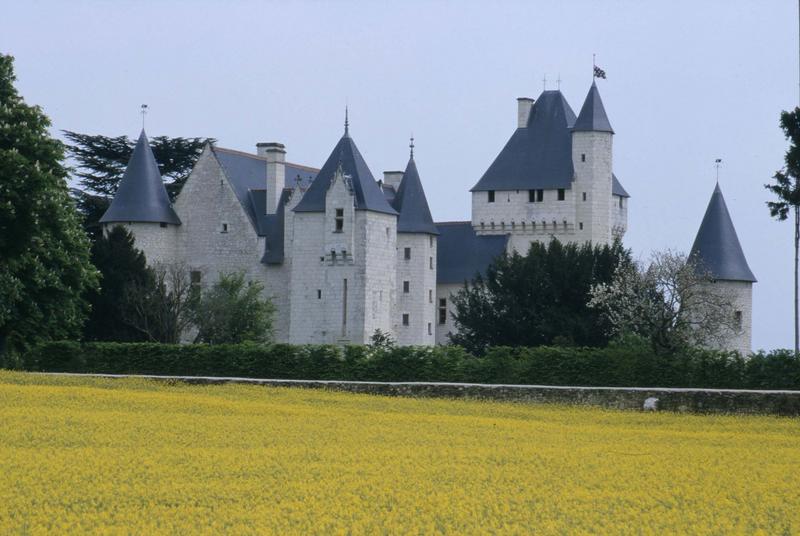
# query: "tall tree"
{"points": [[121, 266], [787, 189], [536, 299], [44, 255], [101, 162]]}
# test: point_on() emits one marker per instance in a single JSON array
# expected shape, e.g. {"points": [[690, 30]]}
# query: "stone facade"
{"points": [[339, 271]]}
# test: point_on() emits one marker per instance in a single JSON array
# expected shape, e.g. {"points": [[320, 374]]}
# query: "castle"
{"points": [[342, 255]]}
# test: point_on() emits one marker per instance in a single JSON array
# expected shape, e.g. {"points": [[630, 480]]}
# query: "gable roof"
{"points": [[593, 114], [141, 196], [247, 174], [368, 195], [538, 156], [411, 204], [461, 254], [716, 248]]}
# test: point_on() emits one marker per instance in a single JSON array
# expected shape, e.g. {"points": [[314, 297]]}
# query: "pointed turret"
{"points": [[412, 205], [592, 117], [367, 192], [716, 248], [141, 196]]}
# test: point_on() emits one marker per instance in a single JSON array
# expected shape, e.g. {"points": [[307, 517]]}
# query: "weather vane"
{"points": [[144, 113], [717, 163], [411, 145]]}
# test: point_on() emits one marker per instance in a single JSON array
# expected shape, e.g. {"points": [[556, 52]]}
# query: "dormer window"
{"points": [[339, 221], [491, 196]]}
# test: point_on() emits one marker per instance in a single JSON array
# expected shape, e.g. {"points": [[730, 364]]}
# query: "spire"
{"points": [[346, 122], [411, 204], [411, 146], [141, 196], [593, 116], [716, 248], [368, 195]]}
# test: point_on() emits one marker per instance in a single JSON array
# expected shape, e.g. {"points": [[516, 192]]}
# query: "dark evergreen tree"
{"points": [[121, 265], [787, 189], [44, 256], [101, 162], [540, 298]]}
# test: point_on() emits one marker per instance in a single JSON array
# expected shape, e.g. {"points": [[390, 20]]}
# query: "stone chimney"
{"points": [[275, 153], [392, 178], [524, 105]]}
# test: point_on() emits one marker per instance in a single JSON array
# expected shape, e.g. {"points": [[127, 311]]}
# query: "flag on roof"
{"points": [[599, 73]]}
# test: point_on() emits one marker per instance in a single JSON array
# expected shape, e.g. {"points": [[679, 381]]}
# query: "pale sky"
{"points": [[688, 82]]}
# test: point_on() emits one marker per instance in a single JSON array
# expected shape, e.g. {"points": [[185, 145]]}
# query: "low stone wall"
{"points": [[785, 403]]}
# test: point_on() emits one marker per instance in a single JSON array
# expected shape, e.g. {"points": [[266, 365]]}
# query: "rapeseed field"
{"points": [[138, 457]]}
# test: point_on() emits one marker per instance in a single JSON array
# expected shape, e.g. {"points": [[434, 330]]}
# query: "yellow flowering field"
{"points": [[84, 455]]}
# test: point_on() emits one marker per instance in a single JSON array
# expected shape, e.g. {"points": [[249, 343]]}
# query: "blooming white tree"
{"points": [[669, 301]]}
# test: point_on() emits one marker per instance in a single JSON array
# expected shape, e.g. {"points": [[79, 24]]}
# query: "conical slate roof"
{"points": [[141, 196], [593, 114], [367, 192], [716, 249], [411, 204], [539, 155]]}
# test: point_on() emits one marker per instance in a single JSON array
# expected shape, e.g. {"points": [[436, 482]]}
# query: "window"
{"points": [[430, 263], [407, 253], [195, 277], [737, 318], [583, 157], [405, 319], [406, 287], [565, 224], [580, 226], [491, 225], [162, 225], [539, 195], [430, 296], [430, 241], [584, 196], [319, 294], [430, 329], [224, 228], [339, 220], [531, 196], [491, 196], [442, 311], [620, 201], [561, 194]]}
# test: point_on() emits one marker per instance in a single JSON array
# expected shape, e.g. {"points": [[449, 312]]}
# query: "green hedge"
{"points": [[611, 366]]}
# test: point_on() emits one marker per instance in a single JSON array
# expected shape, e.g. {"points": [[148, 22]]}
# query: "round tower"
{"points": [[416, 261], [142, 206], [717, 254], [592, 137]]}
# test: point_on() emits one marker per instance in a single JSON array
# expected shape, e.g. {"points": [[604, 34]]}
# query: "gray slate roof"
{"points": [[461, 254], [538, 156], [411, 204], [141, 196], [716, 248], [616, 187], [593, 116], [369, 196], [247, 174]]}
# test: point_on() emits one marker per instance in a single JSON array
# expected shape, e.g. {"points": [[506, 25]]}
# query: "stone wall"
{"points": [[786, 403], [446, 292], [419, 302]]}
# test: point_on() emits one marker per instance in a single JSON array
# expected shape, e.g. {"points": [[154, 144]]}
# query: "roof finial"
{"points": [[411, 145], [346, 121], [144, 113], [717, 163]]}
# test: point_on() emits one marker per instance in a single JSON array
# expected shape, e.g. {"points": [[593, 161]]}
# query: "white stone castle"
{"points": [[343, 255]]}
